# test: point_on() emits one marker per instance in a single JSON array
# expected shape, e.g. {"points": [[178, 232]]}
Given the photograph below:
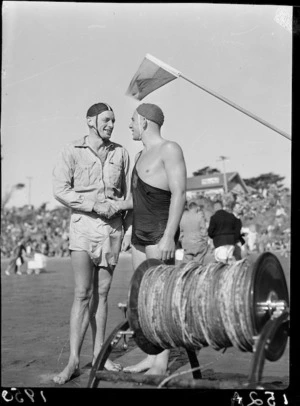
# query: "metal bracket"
{"points": [[194, 364], [123, 306]]}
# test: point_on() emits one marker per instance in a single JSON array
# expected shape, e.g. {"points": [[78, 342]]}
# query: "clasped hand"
{"points": [[107, 208]]}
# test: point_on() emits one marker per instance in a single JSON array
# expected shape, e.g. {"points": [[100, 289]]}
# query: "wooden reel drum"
{"points": [[192, 306]]}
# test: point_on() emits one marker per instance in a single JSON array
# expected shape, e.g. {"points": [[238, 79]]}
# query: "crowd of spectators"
{"points": [[265, 215], [42, 230]]}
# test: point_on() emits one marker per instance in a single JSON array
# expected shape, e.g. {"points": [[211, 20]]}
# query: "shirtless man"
{"points": [[158, 198]]}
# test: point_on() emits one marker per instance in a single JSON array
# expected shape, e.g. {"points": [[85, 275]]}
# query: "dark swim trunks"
{"points": [[150, 213]]}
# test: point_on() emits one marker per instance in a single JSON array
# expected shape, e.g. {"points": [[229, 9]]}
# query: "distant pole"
{"points": [[29, 189], [223, 159]]}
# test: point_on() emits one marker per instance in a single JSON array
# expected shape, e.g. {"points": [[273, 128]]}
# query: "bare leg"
{"points": [[154, 364], [11, 266], [138, 256], [19, 270], [98, 312], [83, 275]]}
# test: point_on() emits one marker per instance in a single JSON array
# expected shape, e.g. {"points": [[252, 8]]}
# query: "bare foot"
{"points": [[160, 364], [70, 372], [112, 366], [157, 370], [142, 366]]}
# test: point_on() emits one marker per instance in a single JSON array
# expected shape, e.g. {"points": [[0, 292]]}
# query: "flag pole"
{"points": [[284, 134]]}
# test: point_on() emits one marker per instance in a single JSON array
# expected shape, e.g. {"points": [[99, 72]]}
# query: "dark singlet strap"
{"points": [[140, 153]]}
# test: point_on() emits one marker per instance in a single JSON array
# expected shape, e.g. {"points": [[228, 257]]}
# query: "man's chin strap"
{"points": [[96, 128], [139, 121]]}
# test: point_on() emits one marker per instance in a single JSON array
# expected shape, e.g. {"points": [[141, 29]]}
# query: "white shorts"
{"points": [[101, 239], [224, 253]]}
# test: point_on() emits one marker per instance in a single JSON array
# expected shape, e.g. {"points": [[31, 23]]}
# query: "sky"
{"points": [[60, 58]]}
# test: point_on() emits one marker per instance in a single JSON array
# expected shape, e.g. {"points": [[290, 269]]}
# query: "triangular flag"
{"points": [[154, 73], [151, 75]]}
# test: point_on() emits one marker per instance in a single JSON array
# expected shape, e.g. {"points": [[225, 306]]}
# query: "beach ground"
{"points": [[35, 333]]}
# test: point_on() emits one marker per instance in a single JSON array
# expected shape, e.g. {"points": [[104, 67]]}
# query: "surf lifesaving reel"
{"points": [[243, 305]]}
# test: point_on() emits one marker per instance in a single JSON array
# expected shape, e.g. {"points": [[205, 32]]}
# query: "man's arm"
{"points": [[181, 231], [127, 204], [124, 203], [176, 174], [63, 191], [127, 225]]}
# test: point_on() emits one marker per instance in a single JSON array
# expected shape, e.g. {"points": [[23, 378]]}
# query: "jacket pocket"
{"points": [[115, 173], [82, 175]]}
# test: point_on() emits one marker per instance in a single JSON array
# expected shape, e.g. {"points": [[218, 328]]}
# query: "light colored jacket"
{"points": [[80, 179], [193, 230]]}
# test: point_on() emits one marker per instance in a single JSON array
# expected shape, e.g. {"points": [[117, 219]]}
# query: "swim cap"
{"points": [[98, 108], [151, 112]]}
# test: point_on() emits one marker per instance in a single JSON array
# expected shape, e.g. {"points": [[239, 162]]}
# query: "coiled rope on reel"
{"points": [[205, 306], [195, 306]]}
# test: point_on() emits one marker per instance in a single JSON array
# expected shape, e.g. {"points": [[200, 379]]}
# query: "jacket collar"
{"points": [[83, 142]]}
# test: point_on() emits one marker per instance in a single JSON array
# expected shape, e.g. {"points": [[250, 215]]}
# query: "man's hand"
{"points": [[122, 205], [167, 248], [116, 205], [105, 209]]}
